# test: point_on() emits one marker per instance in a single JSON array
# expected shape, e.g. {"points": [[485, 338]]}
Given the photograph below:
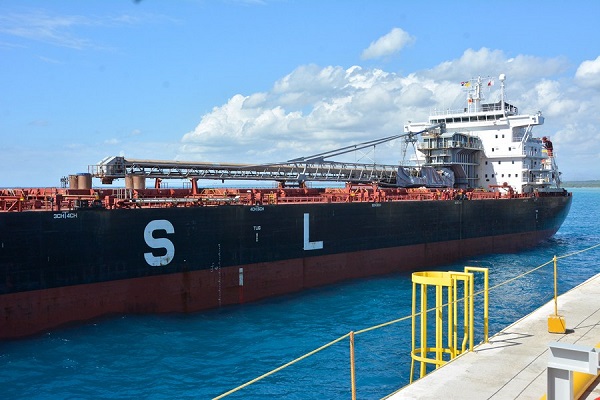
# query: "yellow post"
{"points": [[423, 328], [556, 323], [555, 287], [352, 368], [451, 325], [465, 316], [439, 321], [413, 323], [486, 304], [471, 310], [455, 307], [486, 299]]}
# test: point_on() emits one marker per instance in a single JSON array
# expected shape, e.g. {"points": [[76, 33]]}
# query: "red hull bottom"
{"points": [[28, 313]]}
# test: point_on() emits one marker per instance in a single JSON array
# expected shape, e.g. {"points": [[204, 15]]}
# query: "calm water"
{"points": [[203, 355]]}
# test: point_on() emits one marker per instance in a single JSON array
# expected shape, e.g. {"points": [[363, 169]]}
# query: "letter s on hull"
{"points": [[159, 243]]}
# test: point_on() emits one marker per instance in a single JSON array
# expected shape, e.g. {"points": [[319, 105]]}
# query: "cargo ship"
{"points": [[482, 183]]}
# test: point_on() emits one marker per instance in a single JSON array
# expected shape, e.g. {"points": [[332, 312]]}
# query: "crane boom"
{"points": [[310, 168]]}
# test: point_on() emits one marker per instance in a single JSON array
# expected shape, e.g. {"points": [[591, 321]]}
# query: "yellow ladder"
{"points": [[439, 355]]}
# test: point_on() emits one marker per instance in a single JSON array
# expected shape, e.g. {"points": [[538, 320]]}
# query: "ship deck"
{"points": [[63, 199], [513, 364]]}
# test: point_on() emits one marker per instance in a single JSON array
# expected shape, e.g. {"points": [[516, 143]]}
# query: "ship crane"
{"points": [[412, 137], [315, 167]]}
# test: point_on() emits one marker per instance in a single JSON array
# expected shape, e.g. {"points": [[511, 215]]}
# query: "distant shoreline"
{"points": [[581, 184]]}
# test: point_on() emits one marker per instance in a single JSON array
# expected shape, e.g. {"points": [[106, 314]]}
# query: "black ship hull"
{"points": [[60, 267]]}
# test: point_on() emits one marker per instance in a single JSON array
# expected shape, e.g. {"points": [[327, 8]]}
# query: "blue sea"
{"points": [[203, 355]]}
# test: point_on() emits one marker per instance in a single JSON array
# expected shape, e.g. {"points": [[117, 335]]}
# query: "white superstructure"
{"points": [[487, 145]]}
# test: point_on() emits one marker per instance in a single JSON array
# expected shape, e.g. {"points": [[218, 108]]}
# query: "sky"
{"points": [[270, 80]]}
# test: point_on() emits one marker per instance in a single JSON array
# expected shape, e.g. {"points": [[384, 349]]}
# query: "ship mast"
{"points": [[474, 96], [502, 78], [477, 99]]}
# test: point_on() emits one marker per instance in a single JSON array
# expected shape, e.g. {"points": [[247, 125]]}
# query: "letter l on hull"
{"points": [[308, 245]]}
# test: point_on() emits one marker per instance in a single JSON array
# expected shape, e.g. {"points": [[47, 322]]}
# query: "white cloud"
{"points": [[49, 60], [59, 30], [322, 108], [588, 73], [42, 27], [315, 109], [550, 97], [388, 44], [487, 62], [40, 122]]}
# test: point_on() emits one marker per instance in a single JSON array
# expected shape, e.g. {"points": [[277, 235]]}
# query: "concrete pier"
{"points": [[513, 364]]}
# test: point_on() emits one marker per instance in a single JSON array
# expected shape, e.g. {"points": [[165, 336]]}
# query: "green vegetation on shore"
{"points": [[581, 184]]}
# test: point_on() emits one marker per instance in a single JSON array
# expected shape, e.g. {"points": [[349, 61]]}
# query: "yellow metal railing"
{"points": [[351, 335], [450, 280]]}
